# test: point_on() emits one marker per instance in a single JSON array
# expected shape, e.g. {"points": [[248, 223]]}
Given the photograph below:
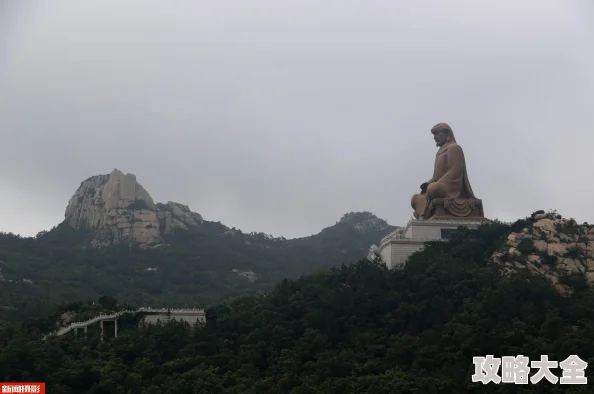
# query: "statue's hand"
{"points": [[424, 188]]}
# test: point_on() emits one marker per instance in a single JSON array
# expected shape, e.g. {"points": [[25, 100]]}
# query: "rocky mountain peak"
{"points": [[550, 245], [120, 210], [364, 221]]}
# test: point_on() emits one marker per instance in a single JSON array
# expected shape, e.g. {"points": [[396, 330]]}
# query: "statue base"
{"points": [[396, 247], [455, 209]]}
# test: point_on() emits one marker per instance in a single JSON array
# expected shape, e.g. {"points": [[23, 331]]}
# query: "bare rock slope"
{"points": [[121, 211], [364, 222], [552, 246]]}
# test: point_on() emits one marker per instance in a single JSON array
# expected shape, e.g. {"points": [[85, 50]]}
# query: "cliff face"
{"points": [[551, 246], [122, 212]]}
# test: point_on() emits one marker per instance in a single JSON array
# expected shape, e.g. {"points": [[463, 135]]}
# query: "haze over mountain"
{"points": [[281, 118]]}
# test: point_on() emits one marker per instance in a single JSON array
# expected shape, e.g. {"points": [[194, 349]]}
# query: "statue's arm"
{"points": [[425, 184], [455, 163]]}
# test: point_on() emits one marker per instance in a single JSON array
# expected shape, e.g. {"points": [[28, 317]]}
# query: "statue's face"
{"points": [[440, 137]]}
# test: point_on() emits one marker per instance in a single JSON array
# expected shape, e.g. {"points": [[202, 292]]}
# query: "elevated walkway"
{"points": [[199, 313]]}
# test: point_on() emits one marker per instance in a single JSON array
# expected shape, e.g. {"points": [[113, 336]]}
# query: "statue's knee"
{"points": [[434, 190], [413, 201], [416, 200]]}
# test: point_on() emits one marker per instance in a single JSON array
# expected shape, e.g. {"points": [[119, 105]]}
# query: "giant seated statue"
{"points": [[447, 195]]}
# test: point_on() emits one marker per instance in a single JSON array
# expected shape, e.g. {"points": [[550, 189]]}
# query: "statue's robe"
{"points": [[450, 180]]}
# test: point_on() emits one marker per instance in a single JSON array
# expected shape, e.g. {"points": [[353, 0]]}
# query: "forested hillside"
{"points": [[201, 266], [354, 329]]}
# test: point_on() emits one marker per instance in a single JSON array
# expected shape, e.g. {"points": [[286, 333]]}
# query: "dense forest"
{"points": [[358, 328], [195, 268]]}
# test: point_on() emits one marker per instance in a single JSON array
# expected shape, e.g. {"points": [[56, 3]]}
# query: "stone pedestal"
{"points": [[396, 247], [463, 208]]}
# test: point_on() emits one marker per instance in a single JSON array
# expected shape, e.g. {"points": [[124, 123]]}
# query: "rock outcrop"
{"points": [[364, 221], [551, 246], [374, 253], [121, 211], [249, 275], [174, 215]]}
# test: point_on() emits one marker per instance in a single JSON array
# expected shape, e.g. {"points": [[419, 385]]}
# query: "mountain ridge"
{"points": [[196, 264], [118, 210]]}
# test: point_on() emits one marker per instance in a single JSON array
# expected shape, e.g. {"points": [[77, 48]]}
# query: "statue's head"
{"points": [[442, 133]]}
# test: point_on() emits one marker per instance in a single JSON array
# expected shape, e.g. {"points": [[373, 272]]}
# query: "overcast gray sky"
{"points": [[280, 116]]}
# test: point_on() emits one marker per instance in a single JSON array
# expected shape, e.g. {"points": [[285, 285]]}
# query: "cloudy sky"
{"points": [[280, 116]]}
